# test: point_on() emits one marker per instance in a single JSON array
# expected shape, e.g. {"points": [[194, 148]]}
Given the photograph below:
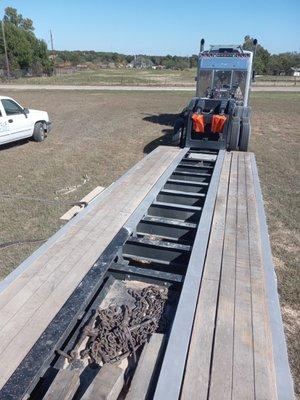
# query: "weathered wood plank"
{"points": [[265, 383], [221, 369], [197, 373], [243, 365], [107, 384], [142, 377], [64, 385], [87, 199]]}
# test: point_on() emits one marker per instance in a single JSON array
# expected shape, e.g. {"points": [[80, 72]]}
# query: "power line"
{"points": [[48, 201]]}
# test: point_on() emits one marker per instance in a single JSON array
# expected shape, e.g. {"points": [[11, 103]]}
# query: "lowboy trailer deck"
{"points": [[190, 221]]}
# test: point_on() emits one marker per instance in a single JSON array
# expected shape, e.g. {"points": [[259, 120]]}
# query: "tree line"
{"points": [[272, 64], [98, 57], [28, 53]]}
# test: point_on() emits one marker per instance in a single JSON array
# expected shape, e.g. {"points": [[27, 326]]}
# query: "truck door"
{"points": [[4, 125], [14, 123]]}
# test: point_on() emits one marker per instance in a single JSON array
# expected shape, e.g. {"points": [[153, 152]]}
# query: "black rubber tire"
{"points": [[234, 132], [245, 135], [182, 137], [178, 132], [39, 133], [245, 129]]}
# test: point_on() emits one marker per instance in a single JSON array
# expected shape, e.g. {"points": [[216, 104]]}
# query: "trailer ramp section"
{"points": [[174, 220]]}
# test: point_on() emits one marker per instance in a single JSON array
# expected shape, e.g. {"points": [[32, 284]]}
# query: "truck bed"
{"points": [[226, 340]]}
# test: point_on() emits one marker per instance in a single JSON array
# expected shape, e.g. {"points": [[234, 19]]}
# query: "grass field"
{"points": [[119, 76], [143, 77], [97, 136]]}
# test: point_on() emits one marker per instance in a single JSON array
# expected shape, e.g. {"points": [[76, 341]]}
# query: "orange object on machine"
{"points": [[198, 123], [217, 123]]}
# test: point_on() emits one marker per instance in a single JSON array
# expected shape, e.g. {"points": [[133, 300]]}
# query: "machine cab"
{"points": [[224, 72]]}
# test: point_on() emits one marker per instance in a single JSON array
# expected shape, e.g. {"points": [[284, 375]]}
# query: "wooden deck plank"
{"points": [[264, 373], [64, 385], [222, 358], [243, 366], [197, 373], [73, 256]]}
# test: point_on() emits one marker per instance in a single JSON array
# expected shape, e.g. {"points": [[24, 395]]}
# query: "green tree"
{"points": [[25, 51], [262, 55]]}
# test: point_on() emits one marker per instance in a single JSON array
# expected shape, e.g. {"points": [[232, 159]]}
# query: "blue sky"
{"points": [[162, 27]]}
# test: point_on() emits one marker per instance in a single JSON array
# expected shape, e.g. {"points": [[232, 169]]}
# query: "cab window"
{"points": [[11, 108]]}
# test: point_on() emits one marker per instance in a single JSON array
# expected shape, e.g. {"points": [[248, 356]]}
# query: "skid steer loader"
{"points": [[219, 116]]}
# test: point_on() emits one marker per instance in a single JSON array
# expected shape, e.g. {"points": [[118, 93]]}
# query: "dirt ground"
{"points": [[97, 136]]}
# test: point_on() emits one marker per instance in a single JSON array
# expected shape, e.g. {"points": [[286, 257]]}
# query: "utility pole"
{"points": [[51, 40], [5, 49]]}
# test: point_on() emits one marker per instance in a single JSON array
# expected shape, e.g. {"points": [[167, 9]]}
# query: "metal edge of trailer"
{"points": [[171, 374], [284, 380], [44, 247], [25, 377]]}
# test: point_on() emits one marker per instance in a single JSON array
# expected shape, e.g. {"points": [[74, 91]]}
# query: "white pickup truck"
{"points": [[17, 122]]}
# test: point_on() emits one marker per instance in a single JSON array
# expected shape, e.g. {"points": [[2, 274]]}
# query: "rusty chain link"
{"points": [[118, 331]]}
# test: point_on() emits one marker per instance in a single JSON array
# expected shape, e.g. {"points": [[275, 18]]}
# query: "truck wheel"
{"points": [[245, 129], [178, 132], [39, 132], [245, 136], [234, 133]]}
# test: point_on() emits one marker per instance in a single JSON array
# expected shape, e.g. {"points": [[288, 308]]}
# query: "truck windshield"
{"points": [[233, 82], [205, 81]]}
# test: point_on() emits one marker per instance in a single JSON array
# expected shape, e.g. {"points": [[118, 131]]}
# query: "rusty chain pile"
{"points": [[118, 331]]}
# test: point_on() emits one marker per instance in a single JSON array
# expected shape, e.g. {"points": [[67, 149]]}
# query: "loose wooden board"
{"points": [[87, 199]]}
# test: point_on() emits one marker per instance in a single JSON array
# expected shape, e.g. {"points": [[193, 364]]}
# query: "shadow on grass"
{"points": [[162, 119], [167, 134], [164, 140]]}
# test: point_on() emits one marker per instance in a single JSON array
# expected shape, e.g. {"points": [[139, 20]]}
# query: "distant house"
{"points": [[140, 62], [81, 66], [296, 71], [159, 67]]}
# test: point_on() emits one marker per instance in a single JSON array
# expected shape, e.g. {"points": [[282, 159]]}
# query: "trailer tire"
{"points": [[245, 135], [39, 133]]}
